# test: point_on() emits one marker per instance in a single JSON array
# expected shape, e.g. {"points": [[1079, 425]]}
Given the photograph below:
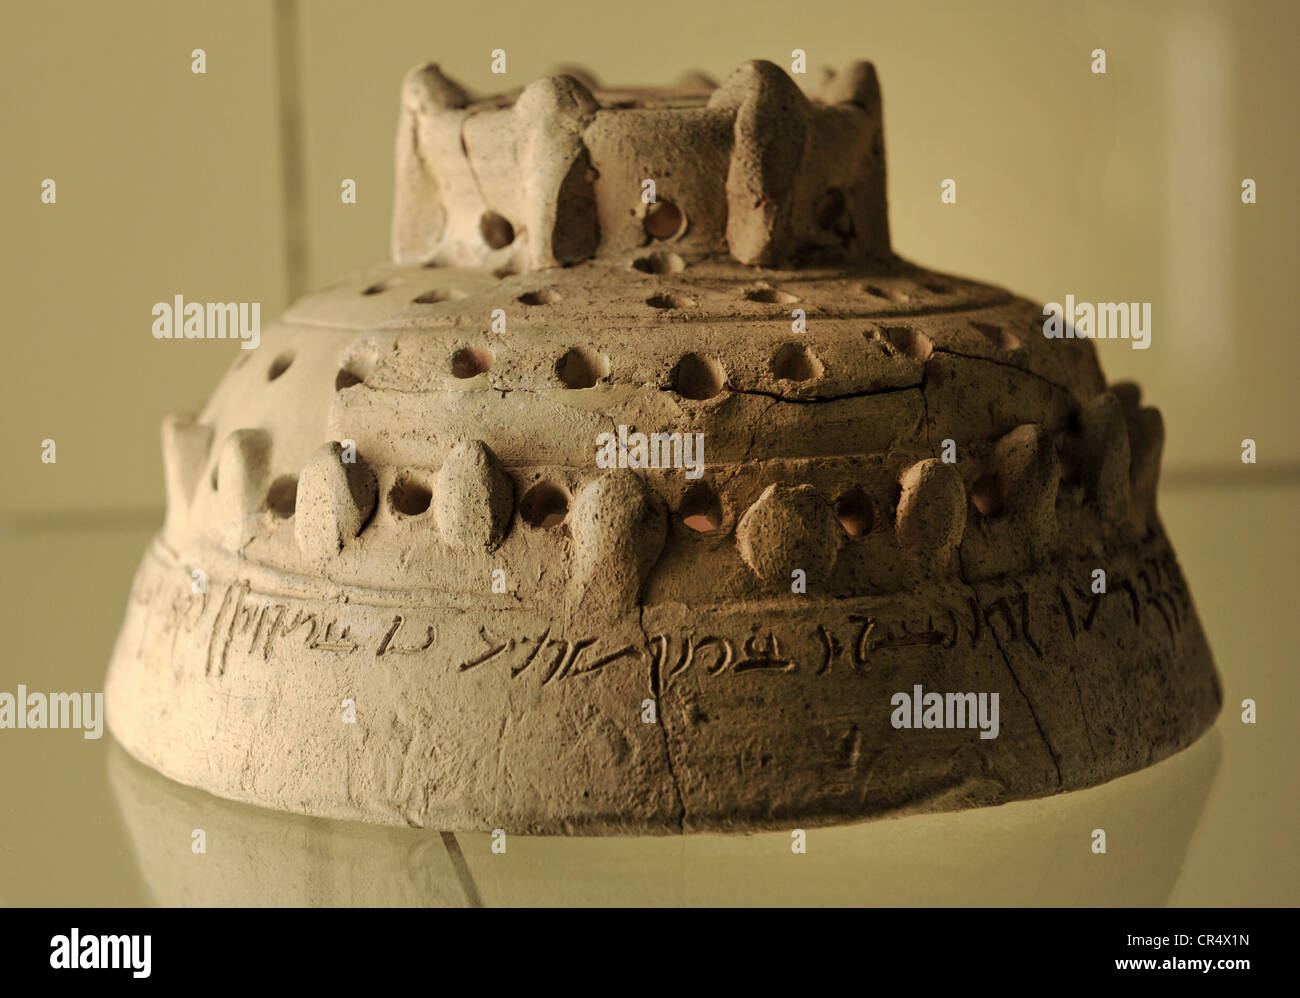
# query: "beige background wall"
{"points": [[1116, 187]]}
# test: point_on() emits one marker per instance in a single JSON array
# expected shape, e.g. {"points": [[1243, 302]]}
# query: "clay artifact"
{"points": [[647, 490]]}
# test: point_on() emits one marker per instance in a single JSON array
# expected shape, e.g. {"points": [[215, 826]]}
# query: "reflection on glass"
{"points": [[1025, 853]]}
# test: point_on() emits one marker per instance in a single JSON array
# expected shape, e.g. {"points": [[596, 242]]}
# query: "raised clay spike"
{"points": [[559, 206], [502, 621], [243, 472], [334, 500], [1105, 453], [421, 217], [790, 528], [805, 181], [1129, 395], [619, 527], [558, 177], [580, 73], [1146, 435], [1027, 474], [472, 498], [771, 132], [931, 512], [1147, 432], [186, 445], [856, 85]]}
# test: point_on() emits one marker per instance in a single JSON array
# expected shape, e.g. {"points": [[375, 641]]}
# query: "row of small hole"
{"points": [[546, 505], [655, 263], [695, 377], [896, 295], [543, 296], [663, 220]]}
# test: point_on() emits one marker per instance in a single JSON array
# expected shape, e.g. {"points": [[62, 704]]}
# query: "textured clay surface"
{"points": [[395, 501]]}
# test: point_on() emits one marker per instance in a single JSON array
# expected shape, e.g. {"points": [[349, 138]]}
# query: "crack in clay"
{"points": [[814, 399], [753, 439], [1002, 363], [662, 716], [1006, 660], [925, 416], [1083, 714]]}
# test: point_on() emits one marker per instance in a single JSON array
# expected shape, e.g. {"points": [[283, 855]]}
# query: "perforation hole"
{"points": [[670, 300], [544, 506], [496, 230], [438, 295], [282, 496], [855, 512], [409, 496], [469, 362], [984, 494], [909, 342], [697, 377], [346, 378], [581, 367], [663, 220], [543, 296], [659, 262], [279, 366], [888, 294], [795, 362], [701, 508], [996, 335], [771, 296]]}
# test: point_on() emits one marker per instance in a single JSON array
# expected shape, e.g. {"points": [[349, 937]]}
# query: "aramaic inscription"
{"points": [[249, 624]]}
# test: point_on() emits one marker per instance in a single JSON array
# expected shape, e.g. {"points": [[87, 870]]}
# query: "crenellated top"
{"points": [[557, 173]]}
